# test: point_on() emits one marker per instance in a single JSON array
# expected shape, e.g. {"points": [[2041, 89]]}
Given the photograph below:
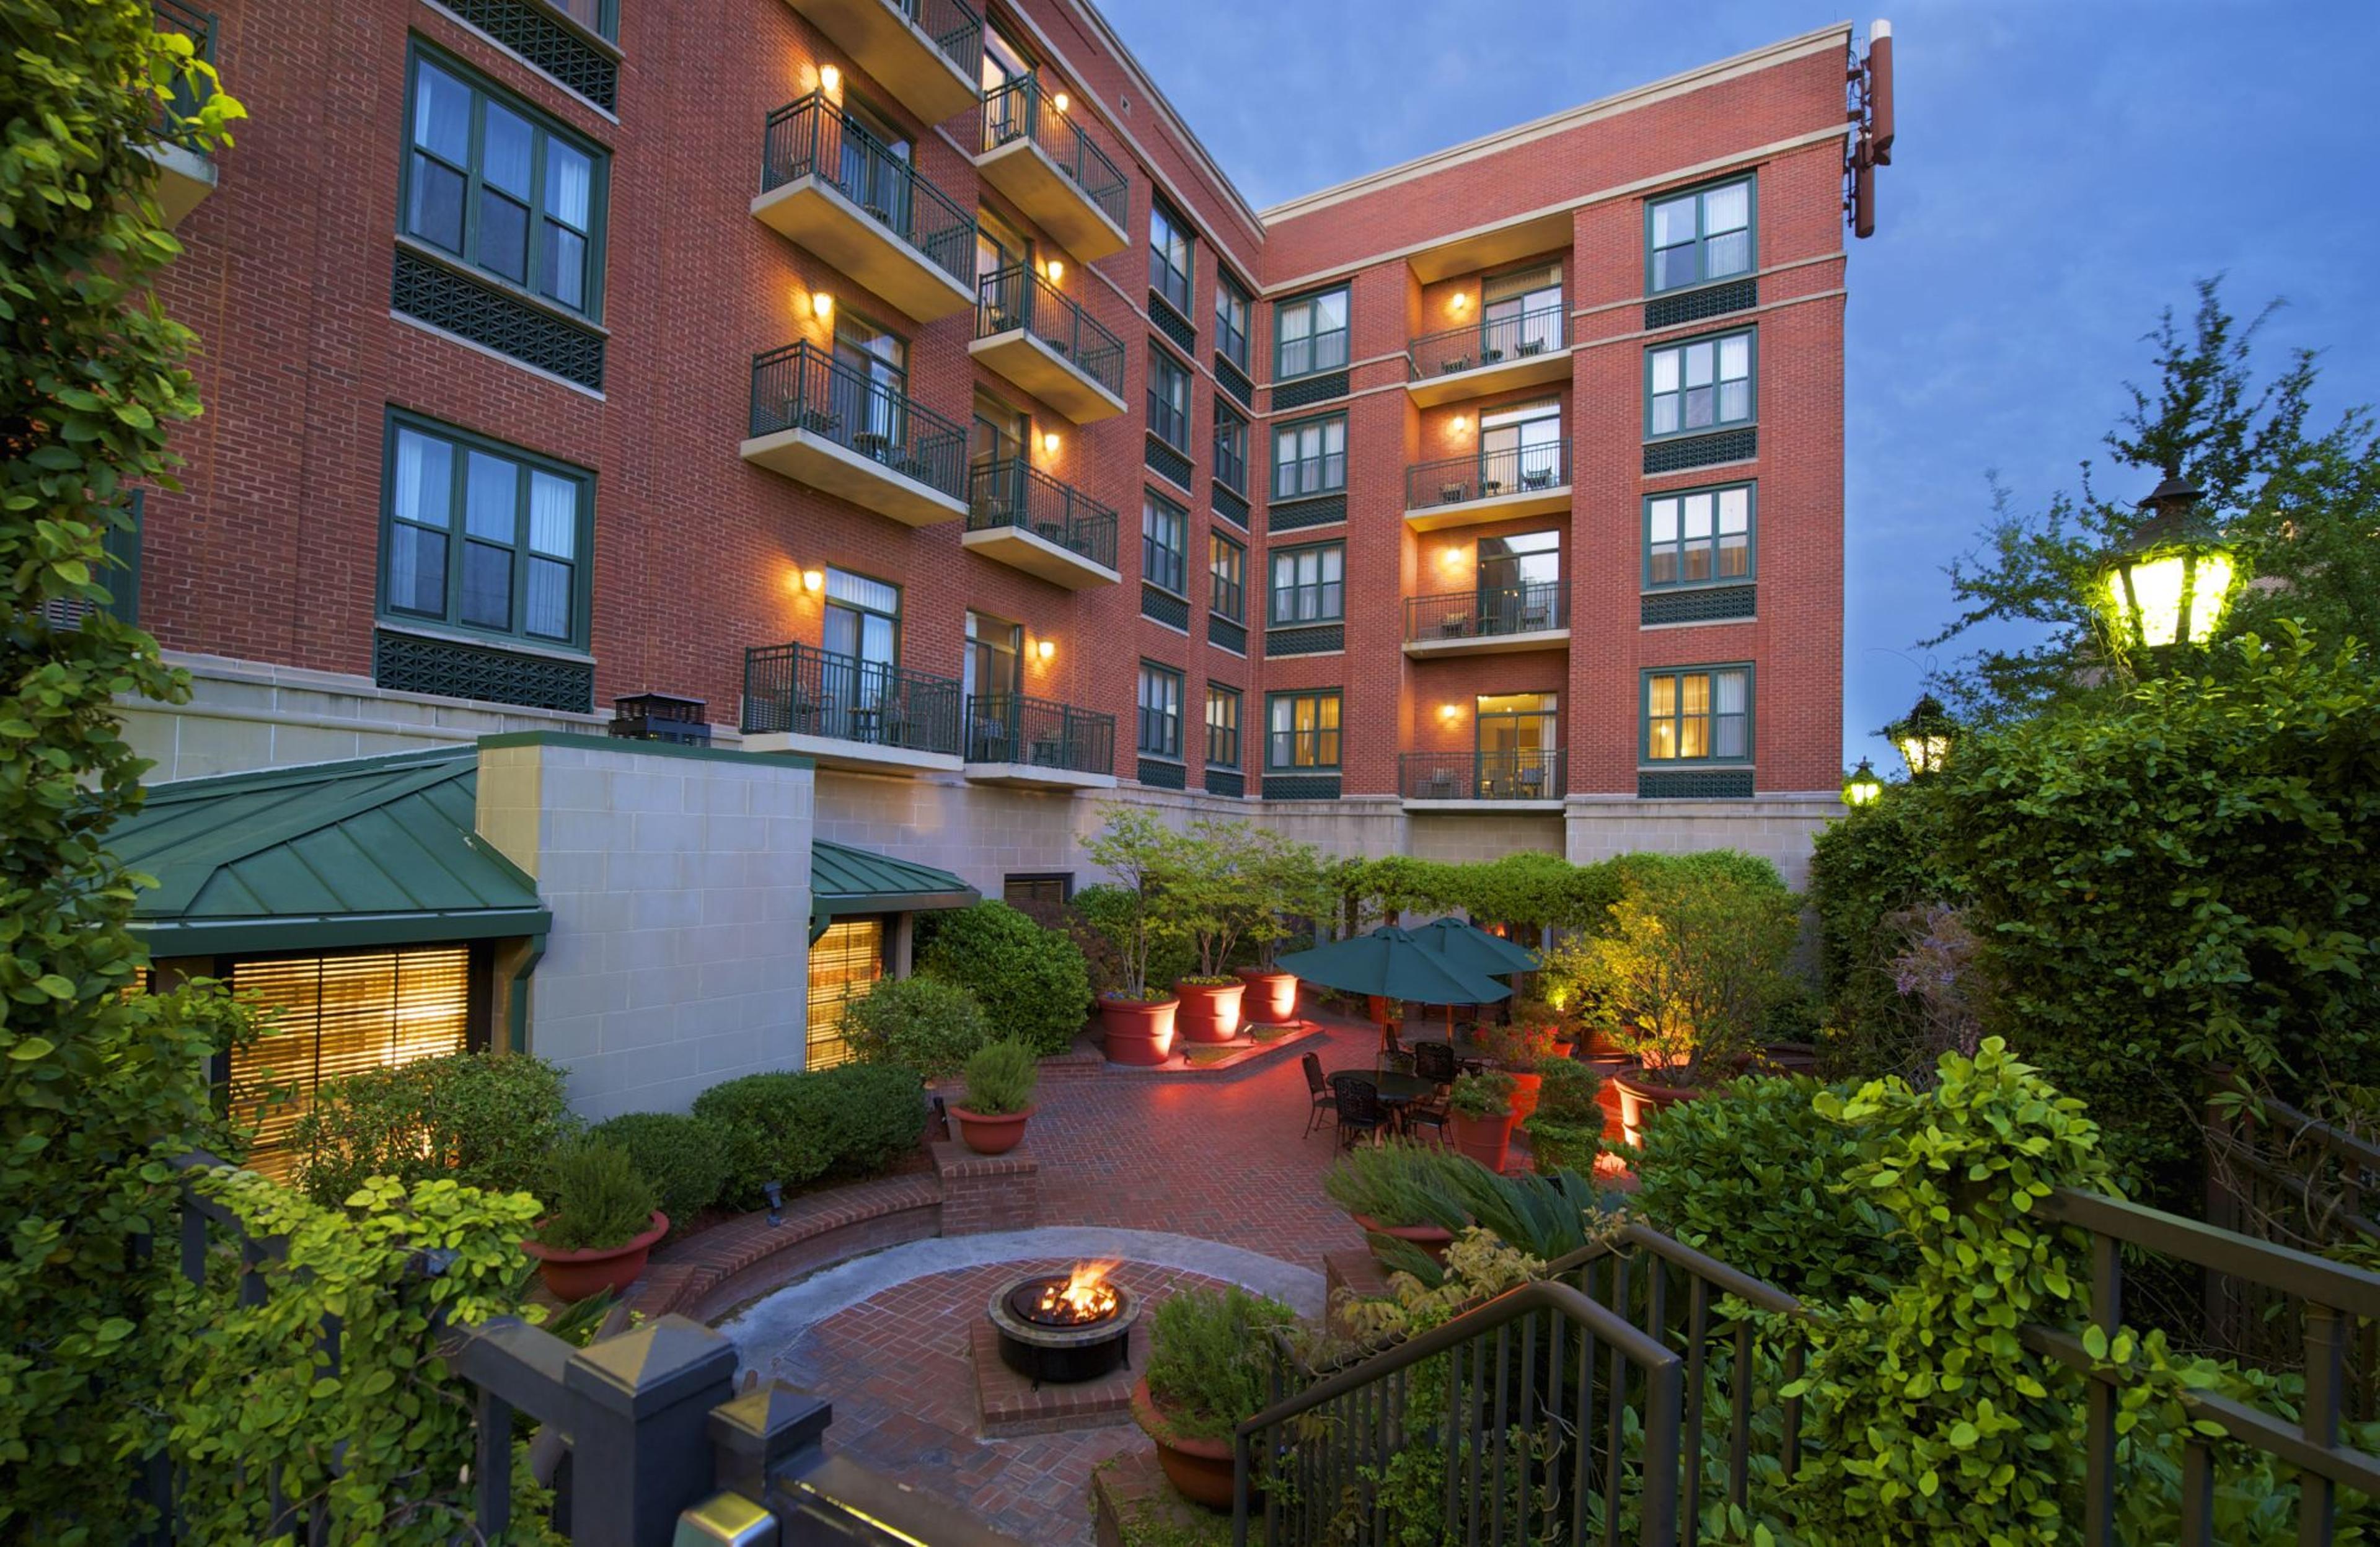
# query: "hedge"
{"points": [[1032, 982], [685, 1158], [795, 1128]]}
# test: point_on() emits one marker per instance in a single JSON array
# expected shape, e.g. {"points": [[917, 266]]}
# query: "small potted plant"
{"points": [[1480, 1113], [1209, 1368], [1146, 856], [1566, 1130], [1543, 1015], [1518, 1050], [603, 1224], [1000, 1081], [1400, 1190]]}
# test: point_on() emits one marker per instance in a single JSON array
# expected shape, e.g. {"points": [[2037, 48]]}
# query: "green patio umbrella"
{"points": [[1393, 964], [1473, 949]]}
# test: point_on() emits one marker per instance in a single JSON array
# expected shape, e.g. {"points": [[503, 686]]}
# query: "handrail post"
{"points": [[640, 1447]]}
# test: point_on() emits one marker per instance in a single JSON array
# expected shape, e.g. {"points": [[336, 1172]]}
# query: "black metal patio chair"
{"points": [[1318, 1090], [1361, 1111]]}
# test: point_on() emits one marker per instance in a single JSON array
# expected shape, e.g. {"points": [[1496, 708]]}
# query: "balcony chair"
{"points": [[1454, 627], [1535, 619], [1532, 346], [990, 741], [1361, 1113], [1532, 782], [1318, 1093], [1490, 357], [1452, 367], [1491, 487], [1540, 479], [1440, 786], [1451, 493], [872, 445]]}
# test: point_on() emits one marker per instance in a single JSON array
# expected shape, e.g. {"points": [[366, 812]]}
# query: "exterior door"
{"points": [[1516, 744], [871, 383], [875, 173]]}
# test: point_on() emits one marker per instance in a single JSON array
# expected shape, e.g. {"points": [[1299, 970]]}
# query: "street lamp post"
{"points": [[1862, 788], [1923, 737], [2172, 580]]}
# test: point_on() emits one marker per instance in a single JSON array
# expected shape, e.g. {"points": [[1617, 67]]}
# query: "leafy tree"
{"points": [[98, 1090], [1147, 858]]}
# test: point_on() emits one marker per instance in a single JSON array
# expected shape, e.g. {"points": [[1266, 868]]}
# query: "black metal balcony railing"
{"points": [[1010, 728], [808, 692], [1481, 615], [1491, 341], [1534, 774], [1488, 475], [814, 137], [803, 387], [186, 97], [1012, 492], [1021, 108], [955, 27], [1018, 298]]}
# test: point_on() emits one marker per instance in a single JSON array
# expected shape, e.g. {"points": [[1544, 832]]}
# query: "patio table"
{"points": [[1395, 1089]]}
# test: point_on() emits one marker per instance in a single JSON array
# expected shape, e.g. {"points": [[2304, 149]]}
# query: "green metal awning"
{"points": [[369, 851], [845, 881]]}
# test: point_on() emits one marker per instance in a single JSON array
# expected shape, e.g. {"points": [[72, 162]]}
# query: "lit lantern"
{"points": [[2172, 582], [1862, 788], [1924, 737]]}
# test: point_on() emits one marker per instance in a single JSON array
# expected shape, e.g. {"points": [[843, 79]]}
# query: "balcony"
{"points": [[1035, 335], [1502, 781], [1036, 153], [925, 52], [1489, 486], [1037, 744], [184, 174], [1028, 521], [1497, 355], [827, 423], [846, 713], [1500, 621], [834, 187]]}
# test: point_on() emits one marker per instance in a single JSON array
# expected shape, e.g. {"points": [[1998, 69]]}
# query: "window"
{"points": [[1160, 712], [1310, 335], [844, 962], [993, 666], [502, 188], [485, 537], [1308, 585], [1699, 537], [1521, 314], [1520, 583], [1030, 892], [1169, 398], [1169, 256], [1700, 714], [998, 245], [870, 384], [863, 619], [1520, 448], [998, 433], [599, 17], [1700, 385], [1310, 457], [1230, 449], [1232, 319], [1304, 730], [1164, 542], [1227, 563], [1222, 727], [1517, 746], [1702, 236]]}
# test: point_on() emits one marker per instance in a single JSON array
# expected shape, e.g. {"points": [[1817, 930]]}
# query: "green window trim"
{"points": [[1169, 398], [1227, 571], [1172, 256], [1319, 343], [1234, 306], [468, 457], [545, 227], [1222, 725], [1679, 380], [1712, 544], [1157, 723], [1680, 716], [1230, 449], [1320, 470], [1300, 602], [1164, 543], [1306, 745], [1666, 265]]}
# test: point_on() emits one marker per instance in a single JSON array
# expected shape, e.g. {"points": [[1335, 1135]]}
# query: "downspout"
{"points": [[517, 1003]]}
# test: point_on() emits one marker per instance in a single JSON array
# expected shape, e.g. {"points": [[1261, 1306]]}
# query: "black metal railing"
{"points": [[1488, 475], [1018, 298], [1532, 775], [187, 96], [803, 387], [1011, 727], [1491, 341], [1022, 108], [955, 27], [814, 137], [1485, 614], [1013, 492], [808, 692]]}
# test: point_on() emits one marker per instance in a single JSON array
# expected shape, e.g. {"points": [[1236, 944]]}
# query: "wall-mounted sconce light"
{"points": [[1461, 424], [1459, 302], [1061, 102], [1055, 268], [830, 79], [1450, 713], [1044, 648], [821, 306], [1048, 443], [813, 580]]}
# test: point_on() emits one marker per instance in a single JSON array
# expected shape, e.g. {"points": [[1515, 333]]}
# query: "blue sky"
{"points": [[2063, 171]]}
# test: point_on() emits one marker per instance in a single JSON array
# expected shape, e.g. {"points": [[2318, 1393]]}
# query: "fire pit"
{"points": [[1064, 1327]]}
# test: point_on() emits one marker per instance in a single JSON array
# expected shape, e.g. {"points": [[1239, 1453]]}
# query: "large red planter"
{"points": [[1138, 1030], [1210, 1012], [1273, 996], [1525, 1086], [1640, 1098], [989, 1133], [1200, 1470], [1430, 1237], [1487, 1140], [574, 1275]]}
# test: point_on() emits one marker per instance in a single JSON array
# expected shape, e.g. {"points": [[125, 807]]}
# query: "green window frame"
{"points": [[499, 187], [1701, 537], [1309, 333], [1696, 385], [1169, 256], [1309, 456], [1308, 584], [483, 537], [1230, 449], [1701, 235], [1231, 306], [1301, 730], [1227, 567], [1159, 720], [1169, 398], [1222, 727], [1695, 715], [1164, 543]]}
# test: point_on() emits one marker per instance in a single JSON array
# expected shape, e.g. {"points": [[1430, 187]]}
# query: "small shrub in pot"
{"points": [[1210, 1369], [603, 1223], [1001, 1077]]}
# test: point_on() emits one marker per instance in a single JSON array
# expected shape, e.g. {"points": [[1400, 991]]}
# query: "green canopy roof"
{"points": [[368, 851], [845, 881]]}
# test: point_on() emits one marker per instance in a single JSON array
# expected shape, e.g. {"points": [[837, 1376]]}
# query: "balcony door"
{"points": [[875, 170], [863, 646], [1521, 314], [1516, 746], [1520, 448], [871, 386], [996, 440], [1005, 65], [1520, 582], [993, 677]]}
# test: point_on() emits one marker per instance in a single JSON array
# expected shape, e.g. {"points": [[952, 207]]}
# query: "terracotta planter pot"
{"points": [[1564, 1049], [1138, 1030], [1487, 1140], [1640, 1098], [1200, 1470], [571, 1276], [1210, 1012], [1525, 1092], [1273, 996], [989, 1133], [1430, 1237]]}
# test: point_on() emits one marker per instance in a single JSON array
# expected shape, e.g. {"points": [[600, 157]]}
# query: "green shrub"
{"points": [[1482, 1093], [921, 1023], [599, 1200], [791, 1128], [1866, 871], [1399, 1183], [485, 1120], [1099, 916], [685, 1158], [1210, 1358], [1566, 1130], [1032, 982], [1001, 1077]]}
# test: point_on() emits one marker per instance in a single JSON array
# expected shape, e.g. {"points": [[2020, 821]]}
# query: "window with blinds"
{"points": [[328, 1017], [843, 962]]}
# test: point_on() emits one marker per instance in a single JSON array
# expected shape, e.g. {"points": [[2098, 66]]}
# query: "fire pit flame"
{"points": [[1086, 1296]]}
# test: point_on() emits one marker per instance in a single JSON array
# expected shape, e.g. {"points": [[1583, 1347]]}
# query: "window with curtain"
{"points": [[1308, 585], [1698, 537], [1230, 449], [484, 536], [1160, 710], [1232, 319], [1165, 542], [844, 962], [1169, 398], [1705, 385], [1698, 714], [1702, 236], [1310, 457], [1310, 335], [1222, 727], [862, 621], [1304, 730], [1169, 256], [1227, 568], [1521, 312], [1521, 447], [502, 188]]}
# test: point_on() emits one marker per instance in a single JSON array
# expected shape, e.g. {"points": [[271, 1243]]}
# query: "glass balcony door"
{"points": [[870, 392], [1516, 746], [1520, 448], [862, 641], [1521, 314], [874, 161], [1519, 577]]}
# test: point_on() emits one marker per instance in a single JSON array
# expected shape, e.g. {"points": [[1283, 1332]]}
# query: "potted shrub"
{"points": [[1519, 1049], [999, 1081], [1561, 1029], [1401, 1190], [1481, 1116], [1144, 856], [1290, 887], [1566, 1130], [603, 1224], [1209, 1368]]}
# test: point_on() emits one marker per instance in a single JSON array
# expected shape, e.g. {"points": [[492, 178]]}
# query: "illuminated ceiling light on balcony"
{"points": [[830, 79], [1460, 424], [2173, 581], [1862, 788], [1450, 713], [813, 580], [1055, 269], [1460, 302]]}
